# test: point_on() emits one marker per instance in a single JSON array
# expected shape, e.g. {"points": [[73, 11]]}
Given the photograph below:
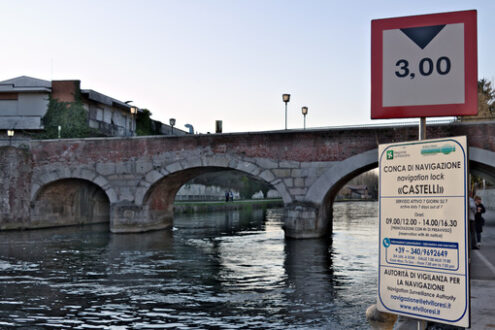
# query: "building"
{"points": [[354, 192], [24, 101]]}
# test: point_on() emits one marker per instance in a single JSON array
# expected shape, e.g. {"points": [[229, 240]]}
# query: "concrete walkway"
{"points": [[483, 278]]}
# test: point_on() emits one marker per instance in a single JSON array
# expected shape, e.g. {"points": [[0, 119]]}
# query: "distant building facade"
{"points": [[199, 192], [354, 192], [24, 101]]}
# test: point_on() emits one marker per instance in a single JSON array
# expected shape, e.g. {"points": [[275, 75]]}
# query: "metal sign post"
{"points": [[421, 136], [422, 129]]}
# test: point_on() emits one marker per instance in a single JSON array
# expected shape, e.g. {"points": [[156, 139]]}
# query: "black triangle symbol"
{"points": [[423, 35]]}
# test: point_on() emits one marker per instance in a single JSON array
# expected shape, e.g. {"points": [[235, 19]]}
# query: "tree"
{"points": [[231, 179], [486, 102], [145, 125], [486, 98]]}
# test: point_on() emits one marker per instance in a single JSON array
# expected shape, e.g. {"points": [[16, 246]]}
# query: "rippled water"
{"points": [[218, 270]]}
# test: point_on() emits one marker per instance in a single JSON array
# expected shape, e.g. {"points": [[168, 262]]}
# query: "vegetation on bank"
{"points": [[235, 202], [367, 179], [244, 183]]}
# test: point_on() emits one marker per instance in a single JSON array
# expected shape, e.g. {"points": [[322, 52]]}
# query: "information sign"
{"points": [[423, 234], [424, 66]]}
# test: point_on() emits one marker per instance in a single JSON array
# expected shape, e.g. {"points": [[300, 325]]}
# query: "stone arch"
{"points": [[208, 164], [156, 192], [312, 217], [321, 194], [332, 180], [69, 201], [481, 160], [62, 174]]}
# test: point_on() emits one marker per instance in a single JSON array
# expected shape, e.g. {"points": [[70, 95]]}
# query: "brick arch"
{"points": [[151, 178], [87, 175]]}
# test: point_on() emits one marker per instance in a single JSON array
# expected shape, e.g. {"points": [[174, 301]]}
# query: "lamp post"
{"points": [[304, 112], [10, 134], [172, 123], [286, 99], [134, 111]]}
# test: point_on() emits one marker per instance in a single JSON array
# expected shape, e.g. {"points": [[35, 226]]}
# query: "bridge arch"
{"points": [[86, 174], [69, 201], [323, 191], [157, 190], [312, 217], [330, 182], [208, 164]]}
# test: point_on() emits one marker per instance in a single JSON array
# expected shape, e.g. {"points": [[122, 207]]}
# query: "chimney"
{"points": [[65, 90]]}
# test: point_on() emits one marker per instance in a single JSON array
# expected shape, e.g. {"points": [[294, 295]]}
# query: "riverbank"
{"points": [[210, 206]]}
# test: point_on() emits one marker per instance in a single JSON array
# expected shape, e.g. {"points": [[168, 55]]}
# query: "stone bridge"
{"points": [[132, 182]]}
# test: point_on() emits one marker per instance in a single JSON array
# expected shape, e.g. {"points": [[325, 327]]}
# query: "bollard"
{"points": [[380, 320], [406, 323]]}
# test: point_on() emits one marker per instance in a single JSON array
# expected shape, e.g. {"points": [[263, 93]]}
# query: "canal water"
{"points": [[217, 270]]}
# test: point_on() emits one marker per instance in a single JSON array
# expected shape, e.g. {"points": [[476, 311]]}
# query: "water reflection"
{"points": [[308, 265], [220, 270]]}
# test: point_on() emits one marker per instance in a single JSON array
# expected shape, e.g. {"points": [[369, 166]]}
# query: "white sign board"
{"points": [[423, 256], [424, 66], [413, 75]]}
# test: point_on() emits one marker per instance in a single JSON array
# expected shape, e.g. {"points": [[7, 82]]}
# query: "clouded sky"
{"points": [[205, 60]]}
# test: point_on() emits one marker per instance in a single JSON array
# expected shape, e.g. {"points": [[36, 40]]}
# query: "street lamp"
{"points": [[172, 123], [304, 112], [10, 134], [134, 111], [286, 99]]}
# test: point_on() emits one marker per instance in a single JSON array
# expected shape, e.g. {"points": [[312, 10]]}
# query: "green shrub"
{"points": [[71, 116]]}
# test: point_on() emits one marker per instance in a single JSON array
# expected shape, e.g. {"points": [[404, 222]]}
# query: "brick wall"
{"points": [[65, 90], [315, 146], [15, 191]]}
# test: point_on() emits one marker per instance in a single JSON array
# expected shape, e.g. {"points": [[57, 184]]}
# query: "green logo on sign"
{"points": [[390, 154], [445, 149]]}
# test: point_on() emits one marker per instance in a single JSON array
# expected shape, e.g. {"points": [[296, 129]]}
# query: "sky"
{"points": [[205, 60]]}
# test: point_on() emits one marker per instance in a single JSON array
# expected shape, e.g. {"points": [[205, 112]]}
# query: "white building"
{"points": [[24, 101]]}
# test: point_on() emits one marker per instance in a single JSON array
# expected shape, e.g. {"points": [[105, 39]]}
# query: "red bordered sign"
{"points": [[424, 66]]}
